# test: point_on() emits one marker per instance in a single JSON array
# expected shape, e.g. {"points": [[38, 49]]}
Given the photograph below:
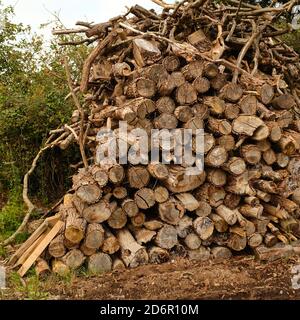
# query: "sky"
{"points": [[37, 12]]}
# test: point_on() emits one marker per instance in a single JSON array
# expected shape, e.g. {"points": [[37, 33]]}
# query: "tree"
{"points": [[32, 102]]}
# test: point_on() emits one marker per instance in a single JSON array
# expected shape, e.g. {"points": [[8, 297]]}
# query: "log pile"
{"points": [[199, 64]]}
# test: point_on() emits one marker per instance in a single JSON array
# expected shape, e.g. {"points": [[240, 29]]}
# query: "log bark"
{"points": [[90, 193], [118, 219], [204, 209], [235, 166], [186, 94], [161, 194], [99, 263], [60, 268], [132, 253], [94, 236], [110, 244], [73, 259], [75, 227], [192, 241], [250, 126], [98, 212], [188, 201], [158, 255], [138, 177], [130, 207], [153, 225], [144, 198], [166, 237], [227, 214], [56, 247], [171, 211], [158, 170], [251, 154], [165, 105], [216, 157], [204, 227], [221, 253], [42, 268]]}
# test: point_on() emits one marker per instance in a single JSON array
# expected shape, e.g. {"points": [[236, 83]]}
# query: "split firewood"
{"points": [[166, 237], [161, 194], [73, 259], [60, 268], [56, 247], [94, 236], [138, 220], [118, 219], [75, 227], [204, 227], [98, 212], [192, 241], [99, 263], [227, 214], [221, 253], [184, 226], [171, 211], [177, 75], [138, 177], [204, 209], [42, 268], [144, 198], [132, 253], [118, 264], [110, 244], [143, 235], [158, 255]]}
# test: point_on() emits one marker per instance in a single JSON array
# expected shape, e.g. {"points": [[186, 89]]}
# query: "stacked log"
{"points": [[125, 215]]}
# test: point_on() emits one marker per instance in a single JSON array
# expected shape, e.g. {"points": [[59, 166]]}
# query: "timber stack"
{"points": [[201, 64]]}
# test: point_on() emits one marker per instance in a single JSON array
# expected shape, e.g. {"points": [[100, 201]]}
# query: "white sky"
{"points": [[36, 12]]}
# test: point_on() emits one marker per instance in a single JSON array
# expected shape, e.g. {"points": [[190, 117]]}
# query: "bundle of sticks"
{"points": [[200, 64]]}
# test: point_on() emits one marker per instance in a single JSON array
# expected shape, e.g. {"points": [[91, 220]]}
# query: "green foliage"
{"points": [[32, 102], [11, 215], [31, 289]]}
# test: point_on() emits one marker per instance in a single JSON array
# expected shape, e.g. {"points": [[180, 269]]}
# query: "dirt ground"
{"points": [[238, 278]]}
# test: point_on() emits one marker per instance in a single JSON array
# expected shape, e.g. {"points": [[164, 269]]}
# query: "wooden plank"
{"points": [[40, 248], [28, 252], [36, 234]]}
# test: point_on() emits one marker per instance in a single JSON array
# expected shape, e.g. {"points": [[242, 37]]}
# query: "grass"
{"points": [[11, 216]]}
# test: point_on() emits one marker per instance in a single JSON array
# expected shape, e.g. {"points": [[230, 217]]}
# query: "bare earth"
{"points": [[238, 278]]}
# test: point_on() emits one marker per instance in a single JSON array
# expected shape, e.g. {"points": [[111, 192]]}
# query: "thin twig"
{"points": [[73, 131], [90, 59], [243, 52], [81, 112]]}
